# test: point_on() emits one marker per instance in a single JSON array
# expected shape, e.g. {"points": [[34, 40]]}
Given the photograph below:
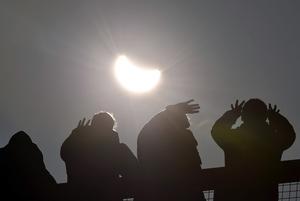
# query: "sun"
{"points": [[133, 78]]}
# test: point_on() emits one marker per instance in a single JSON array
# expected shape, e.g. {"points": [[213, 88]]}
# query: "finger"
{"points": [[275, 108], [236, 103], [195, 106], [82, 122], [278, 111], [88, 122], [79, 123], [242, 104], [189, 101], [270, 106], [232, 106], [194, 111]]}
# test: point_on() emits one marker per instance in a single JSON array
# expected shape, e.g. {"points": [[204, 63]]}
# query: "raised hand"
{"points": [[82, 124], [237, 108], [273, 112], [188, 108], [273, 109]]}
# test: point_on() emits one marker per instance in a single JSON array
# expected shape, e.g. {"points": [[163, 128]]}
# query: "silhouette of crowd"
{"points": [[167, 166]]}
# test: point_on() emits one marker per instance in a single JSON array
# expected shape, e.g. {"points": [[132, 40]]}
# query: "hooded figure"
{"points": [[24, 175], [168, 156], [252, 151]]}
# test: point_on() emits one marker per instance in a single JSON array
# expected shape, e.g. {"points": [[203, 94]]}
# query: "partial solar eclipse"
{"points": [[134, 78]]}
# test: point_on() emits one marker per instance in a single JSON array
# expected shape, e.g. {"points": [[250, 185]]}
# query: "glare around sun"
{"points": [[133, 78]]}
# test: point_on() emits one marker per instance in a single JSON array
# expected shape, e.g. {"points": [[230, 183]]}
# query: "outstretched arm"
{"points": [[285, 134], [222, 127]]}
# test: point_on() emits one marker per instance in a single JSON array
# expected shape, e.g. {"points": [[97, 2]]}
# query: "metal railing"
{"points": [[213, 178], [288, 181]]}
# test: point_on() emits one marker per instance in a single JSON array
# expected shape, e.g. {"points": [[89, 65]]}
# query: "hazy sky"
{"points": [[56, 61]]}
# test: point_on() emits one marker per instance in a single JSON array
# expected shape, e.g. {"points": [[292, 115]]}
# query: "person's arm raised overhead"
{"points": [[221, 129], [284, 131]]}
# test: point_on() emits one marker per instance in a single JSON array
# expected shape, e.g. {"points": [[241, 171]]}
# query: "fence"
{"points": [[288, 181], [211, 178]]}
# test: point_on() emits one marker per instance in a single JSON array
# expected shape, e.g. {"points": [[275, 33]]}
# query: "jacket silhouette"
{"points": [[98, 165], [167, 153], [23, 172], [252, 151]]}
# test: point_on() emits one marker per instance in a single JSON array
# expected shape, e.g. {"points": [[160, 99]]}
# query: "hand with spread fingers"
{"points": [[273, 109], [273, 112], [82, 125], [188, 108], [237, 108], [184, 107]]}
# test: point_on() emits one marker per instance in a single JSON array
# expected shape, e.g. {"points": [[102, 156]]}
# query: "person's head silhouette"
{"points": [[20, 140], [23, 151], [103, 121], [254, 111]]}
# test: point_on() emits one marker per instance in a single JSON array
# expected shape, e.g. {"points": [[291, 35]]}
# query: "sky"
{"points": [[57, 57]]}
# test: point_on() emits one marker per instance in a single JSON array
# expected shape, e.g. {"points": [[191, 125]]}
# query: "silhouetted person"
{"points": [[252, 151], [23, 172], [98, 165], [167, 153]]}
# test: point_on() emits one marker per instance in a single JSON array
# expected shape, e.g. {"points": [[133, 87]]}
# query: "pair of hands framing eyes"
{"points": [[237, 109]]}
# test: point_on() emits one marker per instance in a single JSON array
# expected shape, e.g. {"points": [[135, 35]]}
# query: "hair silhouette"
{"points": [[252, 151], [103, 120]]}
